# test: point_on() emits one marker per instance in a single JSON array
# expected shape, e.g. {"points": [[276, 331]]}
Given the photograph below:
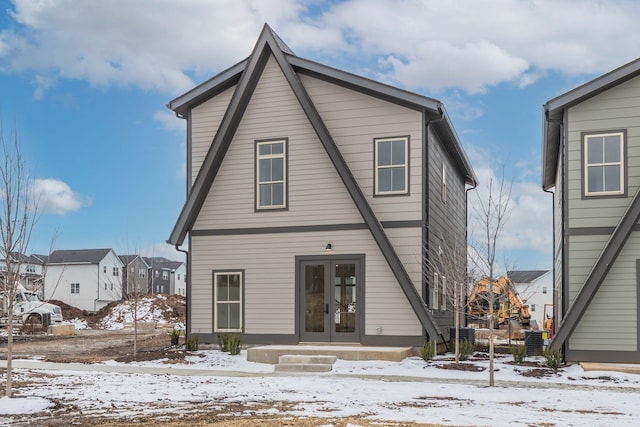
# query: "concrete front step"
{"points": [[307, 359], [305, 363], [302, 367], [271, 353]]}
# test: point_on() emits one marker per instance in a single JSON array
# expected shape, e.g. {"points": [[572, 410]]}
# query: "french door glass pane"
{"points": [[345, 298], [314, 298]]}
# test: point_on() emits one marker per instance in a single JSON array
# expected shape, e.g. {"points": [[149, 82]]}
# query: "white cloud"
{"points": [[528, 224], [169, 121], [56, 197], [422, 44]]}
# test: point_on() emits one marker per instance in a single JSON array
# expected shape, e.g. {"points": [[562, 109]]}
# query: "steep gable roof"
{"points": [[554, 111], [245, 75], [78, 256], [270, 45]]}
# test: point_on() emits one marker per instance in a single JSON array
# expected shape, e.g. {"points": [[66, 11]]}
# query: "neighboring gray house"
{"points": [[313, 197], [591, 158], [87, 279], [166, 276], [136, 275], [535, 288]]}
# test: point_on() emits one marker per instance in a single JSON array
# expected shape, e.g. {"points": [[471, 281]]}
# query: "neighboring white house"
{"points": [[535, 288], [87, 279]]}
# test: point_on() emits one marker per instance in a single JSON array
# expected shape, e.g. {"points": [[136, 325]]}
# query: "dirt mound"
{"points": [[153, 308]]}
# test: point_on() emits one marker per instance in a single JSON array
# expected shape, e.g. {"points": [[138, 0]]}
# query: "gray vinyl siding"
{"points": [[205, 119], [610, 322], [616, 109], [447, 218], [316, 193], [354, 119], [268, 261], [558, 244]]}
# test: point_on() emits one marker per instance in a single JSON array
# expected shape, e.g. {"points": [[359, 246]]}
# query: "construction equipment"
{"points": [[507, 304], [28, 309]]}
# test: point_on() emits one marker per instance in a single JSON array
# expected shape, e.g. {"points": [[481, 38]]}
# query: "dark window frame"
{"points": [[407, 166], [285, 175]]}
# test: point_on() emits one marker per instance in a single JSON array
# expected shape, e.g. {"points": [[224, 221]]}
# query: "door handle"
{"points": [[326, 308]]}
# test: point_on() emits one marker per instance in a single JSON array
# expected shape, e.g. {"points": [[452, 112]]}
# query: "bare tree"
{"points": [[135, 284], [446, 270], [17, 220], [490, 212]]}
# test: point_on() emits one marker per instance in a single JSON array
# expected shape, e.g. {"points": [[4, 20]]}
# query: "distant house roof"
{"points": [[162, 263], [554, 112], [78, 256], [128, 259], [525, 276]]}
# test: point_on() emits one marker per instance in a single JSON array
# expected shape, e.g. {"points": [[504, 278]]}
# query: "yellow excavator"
{"points": [[507, 303]]}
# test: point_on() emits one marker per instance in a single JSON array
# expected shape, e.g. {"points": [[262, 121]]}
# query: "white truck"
{"points": [[28, 309]]}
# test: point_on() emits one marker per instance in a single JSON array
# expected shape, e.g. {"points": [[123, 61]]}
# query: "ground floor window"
{"points": [[227, 301]]}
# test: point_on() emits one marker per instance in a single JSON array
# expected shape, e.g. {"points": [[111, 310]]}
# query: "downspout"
{"points": [[187, 295], [560, 123]]}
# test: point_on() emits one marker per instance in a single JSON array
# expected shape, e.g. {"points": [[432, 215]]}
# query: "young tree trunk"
{"points": [[9, 382]]}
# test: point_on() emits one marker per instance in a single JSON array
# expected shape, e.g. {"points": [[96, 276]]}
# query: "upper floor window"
{"points": [[141, 273], [271, 174], [165, 275], [391, 166], [75, 288], [604, 164], [31, 268], [115, 271]]}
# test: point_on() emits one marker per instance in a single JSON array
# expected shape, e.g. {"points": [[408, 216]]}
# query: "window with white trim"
{"points": [[443, 294], [604, 166], [142, 273], [116, 271], [391, 166], [271, 174], [435, 298], [228, 301], [75, 288], [165, 275]]}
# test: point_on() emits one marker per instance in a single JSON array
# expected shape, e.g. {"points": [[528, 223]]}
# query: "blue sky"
{"points": [[85, 83]]}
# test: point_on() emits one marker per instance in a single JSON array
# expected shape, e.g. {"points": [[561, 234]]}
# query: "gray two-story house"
{"points": [[591, 159], [314, 197]]}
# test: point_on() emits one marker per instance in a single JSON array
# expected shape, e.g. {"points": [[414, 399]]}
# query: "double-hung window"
{"points": [[271, 174], [391, 166], [228, 301], [604, 164], [75, 288]]}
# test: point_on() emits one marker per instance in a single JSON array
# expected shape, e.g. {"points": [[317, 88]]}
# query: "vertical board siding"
{"points": [[354, 120], [205, 119], [316, 193], [610, 323], [447, 217], [269, 264]]}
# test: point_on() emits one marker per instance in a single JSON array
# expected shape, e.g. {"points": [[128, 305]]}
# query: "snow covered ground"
{"points": [[411, 390]]}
